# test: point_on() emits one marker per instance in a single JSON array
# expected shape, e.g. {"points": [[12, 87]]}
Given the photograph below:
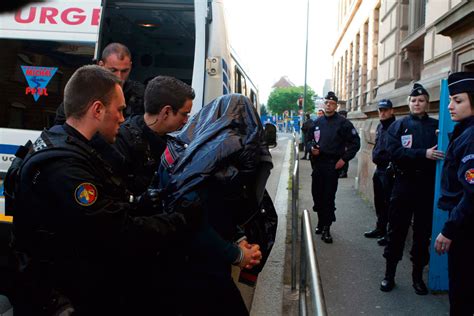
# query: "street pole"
{"points": [[305, 64]]}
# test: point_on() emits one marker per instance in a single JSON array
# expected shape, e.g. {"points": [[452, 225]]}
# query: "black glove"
{"points": [[149, 201]]}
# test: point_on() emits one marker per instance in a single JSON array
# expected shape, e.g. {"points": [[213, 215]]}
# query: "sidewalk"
{"points": [[352, 267]]}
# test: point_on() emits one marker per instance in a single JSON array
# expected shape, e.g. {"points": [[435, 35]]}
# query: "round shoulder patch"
{"points": [[86, 194], [469, 176]]}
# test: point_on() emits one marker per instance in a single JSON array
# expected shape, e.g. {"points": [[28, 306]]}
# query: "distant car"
{"points": [[270, 134]]}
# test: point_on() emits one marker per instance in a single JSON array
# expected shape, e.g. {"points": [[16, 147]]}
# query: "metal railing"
{"points": [[311, 299], [308, 263]]}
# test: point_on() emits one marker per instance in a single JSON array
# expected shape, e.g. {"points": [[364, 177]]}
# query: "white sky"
{"points": [[269, 37]]}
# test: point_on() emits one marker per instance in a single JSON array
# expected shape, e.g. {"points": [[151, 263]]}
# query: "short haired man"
{"points": [[142, 138], [117, 58], [382, 179], [335, 143], [72, 227]]}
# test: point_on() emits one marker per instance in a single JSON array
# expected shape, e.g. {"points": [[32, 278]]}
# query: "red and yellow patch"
{"points": [[469, 176], [86, 194]]}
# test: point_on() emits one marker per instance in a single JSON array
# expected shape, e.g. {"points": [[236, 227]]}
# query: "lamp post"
{"points": [[305, 64]]}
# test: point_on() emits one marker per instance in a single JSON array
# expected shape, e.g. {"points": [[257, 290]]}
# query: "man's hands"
{"points": [[314, 151], [434, 154], [339, 164], [252, 255], [442, 244]]}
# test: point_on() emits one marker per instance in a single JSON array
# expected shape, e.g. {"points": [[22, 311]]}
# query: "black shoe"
{"points": [[382, 241], [376, 233], [304, 158], [318, 231], [326, 237], [420, 287], [387, 284]]}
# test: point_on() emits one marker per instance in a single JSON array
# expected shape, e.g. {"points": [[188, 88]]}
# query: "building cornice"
{"points": [[462, 15], [347, 23]]}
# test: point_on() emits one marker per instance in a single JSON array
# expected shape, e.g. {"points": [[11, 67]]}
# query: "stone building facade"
{"points": [[384, 46]]}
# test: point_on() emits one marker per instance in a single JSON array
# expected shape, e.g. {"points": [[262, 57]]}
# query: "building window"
{"points": [[417, 12]]}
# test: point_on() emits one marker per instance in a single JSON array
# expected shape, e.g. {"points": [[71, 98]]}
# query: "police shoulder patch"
{"points": [[469, 176], [86, 194], [467, 158]]}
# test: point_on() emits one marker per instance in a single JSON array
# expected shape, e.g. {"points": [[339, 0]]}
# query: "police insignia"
{"points": [[317, 135], [469, 176], [407, 140], [467, 158], [86, 194]]}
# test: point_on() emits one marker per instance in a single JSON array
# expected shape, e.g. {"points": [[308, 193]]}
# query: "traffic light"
{"points": [[300, 103]]}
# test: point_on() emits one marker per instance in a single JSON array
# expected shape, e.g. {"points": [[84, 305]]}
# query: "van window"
{"points": [[160, 36]]}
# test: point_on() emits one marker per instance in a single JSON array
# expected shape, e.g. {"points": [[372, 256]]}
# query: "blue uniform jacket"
{"points": [[380, 153], [408, 140], [457, 184], [336, 137]]}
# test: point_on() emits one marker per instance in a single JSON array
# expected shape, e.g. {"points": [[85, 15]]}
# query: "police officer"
{"points": [[335, 142], [72, 228], [412, 144], [382, 180], [142, 138], [457, 196], [306, 128], [117, 58], [345, 169]]}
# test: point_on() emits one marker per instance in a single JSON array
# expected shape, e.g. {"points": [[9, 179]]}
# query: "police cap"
{"points": [[460, 82], [385, 104], [417, 90], [331, 96]]}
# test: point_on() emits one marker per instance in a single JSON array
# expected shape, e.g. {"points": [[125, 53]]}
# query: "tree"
{"points": [[285, 99], [263, 110]]}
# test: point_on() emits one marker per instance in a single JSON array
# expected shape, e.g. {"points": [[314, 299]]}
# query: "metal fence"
{"points": [[311, 297]]}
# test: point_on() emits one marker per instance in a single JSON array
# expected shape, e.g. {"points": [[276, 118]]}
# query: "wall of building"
{"points": [[384, 47]]}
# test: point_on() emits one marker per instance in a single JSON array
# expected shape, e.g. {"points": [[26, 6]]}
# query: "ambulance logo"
{"points": [[469, 176], [86, 194], [38, 78]]}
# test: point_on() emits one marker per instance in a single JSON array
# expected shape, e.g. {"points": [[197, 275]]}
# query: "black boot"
{"points": [[417, 277], [318, 230], [388, 283], [382, 241], [326, 237], [376, 233]]}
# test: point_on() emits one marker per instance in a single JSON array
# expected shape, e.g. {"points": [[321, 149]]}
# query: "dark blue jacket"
{"points": [[457, 183], [408, 139], [336, 137], [380, 153]]}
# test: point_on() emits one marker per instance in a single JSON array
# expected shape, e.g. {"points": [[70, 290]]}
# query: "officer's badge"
{"points": [[420, 91], [469, 176], [317, 135], [407, 141], [86, 194]]}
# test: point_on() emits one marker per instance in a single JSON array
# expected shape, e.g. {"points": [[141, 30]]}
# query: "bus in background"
{"points": [[44, 43]]}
